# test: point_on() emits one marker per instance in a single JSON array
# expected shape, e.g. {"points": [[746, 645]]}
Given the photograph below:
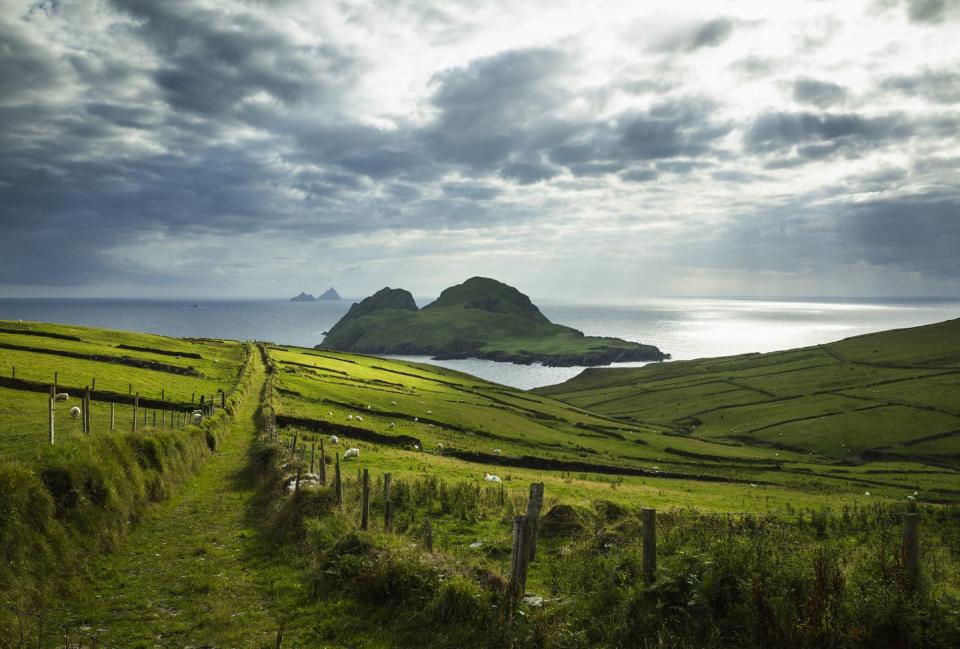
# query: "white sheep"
{"points": [[393, 403], [391, 425], [62, 396], [334, 439], [351, 453], [349, 417], [197, 417], [416, 447], [489, 477], [429, 412], [369, 407], [415, 419], [359, 418], [440, 445], [329, 414], [496, 451], [75, 412]]}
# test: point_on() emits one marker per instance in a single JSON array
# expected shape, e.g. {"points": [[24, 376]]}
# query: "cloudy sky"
{"points": [[263, 147]]}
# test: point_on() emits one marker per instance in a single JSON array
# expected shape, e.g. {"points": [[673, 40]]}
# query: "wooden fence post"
{"points": [[323, 464], [52, 413], [337, 483], [313, 452], [387, 477], [649, 519], [223, 399], [534, 503], [86, 410], [911, 548], [136, 404], [154, 417], [519, 557], [365, 506], [113, 417], [293, 446], [427, 535], [296, 485], [388, 515], [130, 388]]}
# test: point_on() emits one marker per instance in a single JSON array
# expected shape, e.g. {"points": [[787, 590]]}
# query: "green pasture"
{"points": [[218, 366]]}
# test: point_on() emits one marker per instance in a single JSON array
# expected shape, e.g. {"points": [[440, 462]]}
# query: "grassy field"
{"points": [[892, 394], [114, 363], [779, 449], [207, 365]]}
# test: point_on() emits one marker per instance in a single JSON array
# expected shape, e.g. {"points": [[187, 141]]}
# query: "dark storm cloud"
{"points": [[527, 173], [819, 93], [911, 233], [899, 234], [25, 64], [486, 108], [213, 59], [812, 136], [713, 32], [926, 11], [941, 86], [709, 33], [471, 191]]}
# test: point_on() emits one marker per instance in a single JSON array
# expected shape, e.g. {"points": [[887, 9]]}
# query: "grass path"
{"points": [[194, 571]]}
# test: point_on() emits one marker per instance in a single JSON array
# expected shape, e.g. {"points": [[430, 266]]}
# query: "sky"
{"points": [[575, 150]]}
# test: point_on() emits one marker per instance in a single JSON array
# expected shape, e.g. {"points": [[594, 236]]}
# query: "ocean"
{"points": [[683, 327]]}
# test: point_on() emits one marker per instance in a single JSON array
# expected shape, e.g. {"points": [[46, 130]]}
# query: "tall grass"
{"points": [[793, 580]]}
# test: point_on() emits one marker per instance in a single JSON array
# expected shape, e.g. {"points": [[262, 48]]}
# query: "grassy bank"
{"points": [[66, 503]]}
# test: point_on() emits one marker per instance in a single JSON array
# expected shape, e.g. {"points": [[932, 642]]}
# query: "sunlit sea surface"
{"points": [[683, 327]]}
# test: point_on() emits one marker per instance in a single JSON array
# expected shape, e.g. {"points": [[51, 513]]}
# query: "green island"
{"points": [[481, 318], [781, 485]]}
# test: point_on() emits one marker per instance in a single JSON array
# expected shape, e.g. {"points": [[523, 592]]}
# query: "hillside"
{"points": [[255, 545], [892, 395], [481, 318]]}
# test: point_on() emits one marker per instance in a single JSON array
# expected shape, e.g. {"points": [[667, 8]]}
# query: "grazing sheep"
{"points": [[334, 439], [416, 419], [351, 453], [440, 445], [496, 451], [866, 493], [416, 447], [429, 412], [489, 477], [75, 412], [329, 414], [369, 407], [391, 425], [349, 417], [359, 418], [393, 403], [62, 396], [197, 417]]}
